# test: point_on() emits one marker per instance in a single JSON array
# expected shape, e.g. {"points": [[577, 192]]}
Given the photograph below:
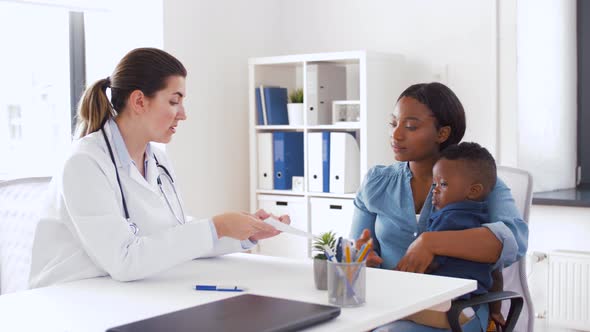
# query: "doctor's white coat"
{"points": [[83, 232]]}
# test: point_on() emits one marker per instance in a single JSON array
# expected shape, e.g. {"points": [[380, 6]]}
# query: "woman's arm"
{"points": [[476, 244], [363, 219], [363, 227], [225, 245]]}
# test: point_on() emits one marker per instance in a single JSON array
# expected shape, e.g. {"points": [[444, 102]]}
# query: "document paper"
{"points": [[288, 229]]}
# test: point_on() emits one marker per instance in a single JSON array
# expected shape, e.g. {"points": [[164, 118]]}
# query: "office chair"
{"points": [[20, 203], [519, 309]]}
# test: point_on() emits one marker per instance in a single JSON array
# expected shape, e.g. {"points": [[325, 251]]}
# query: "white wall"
{"points": [[214, 40], [116, 29], [437, 37]]}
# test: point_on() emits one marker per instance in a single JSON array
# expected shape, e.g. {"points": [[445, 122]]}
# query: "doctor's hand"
{"points": [[373, 260], [417, 258], [240, 226], [261, 214]]}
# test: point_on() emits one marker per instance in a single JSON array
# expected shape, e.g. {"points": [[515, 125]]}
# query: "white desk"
{"points": [[99, 303]]}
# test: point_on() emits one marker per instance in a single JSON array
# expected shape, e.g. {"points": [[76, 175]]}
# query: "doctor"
{"points": [[114, 207]]}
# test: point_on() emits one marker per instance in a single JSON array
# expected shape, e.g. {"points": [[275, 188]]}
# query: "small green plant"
{"points": [[296, 96], [325, 239]]}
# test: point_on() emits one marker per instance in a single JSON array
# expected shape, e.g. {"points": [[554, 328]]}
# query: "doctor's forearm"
{"points": [[221, 223], [476, 244], [233, 224]]}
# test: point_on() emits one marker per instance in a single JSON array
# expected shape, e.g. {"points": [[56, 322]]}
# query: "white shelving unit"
{"points": [[374, 80]]}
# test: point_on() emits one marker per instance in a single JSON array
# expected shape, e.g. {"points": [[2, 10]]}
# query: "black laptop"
{"points": [[243, 313]]}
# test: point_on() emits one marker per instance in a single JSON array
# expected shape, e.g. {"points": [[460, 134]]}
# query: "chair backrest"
{"points": [[20, 203], [520, 183]]}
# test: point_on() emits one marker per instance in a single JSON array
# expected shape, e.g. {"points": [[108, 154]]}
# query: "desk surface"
{"points": [[99, 303]]}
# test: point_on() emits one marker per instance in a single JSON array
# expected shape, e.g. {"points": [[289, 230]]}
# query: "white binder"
{"points": [[325, 83], [344, 163], [265, 161], [315, 170]]}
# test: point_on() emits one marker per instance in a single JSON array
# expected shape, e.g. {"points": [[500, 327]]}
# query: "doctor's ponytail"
{"points": [[94, 109], [144, 69]]}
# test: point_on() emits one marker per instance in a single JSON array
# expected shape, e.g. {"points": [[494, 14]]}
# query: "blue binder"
{"points": [[259, 108], [275, 100], [288, 158], [326, 161]]}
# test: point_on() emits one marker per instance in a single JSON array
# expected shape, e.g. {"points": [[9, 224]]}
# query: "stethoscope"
{"points": [[167, 177]]}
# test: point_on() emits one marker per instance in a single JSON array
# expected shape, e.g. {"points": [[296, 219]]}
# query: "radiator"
{"points": [[569, 289]]}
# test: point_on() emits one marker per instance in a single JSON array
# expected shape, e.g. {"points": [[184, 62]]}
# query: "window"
{"points": [[35, 109], [50, 49], [578, 193]]}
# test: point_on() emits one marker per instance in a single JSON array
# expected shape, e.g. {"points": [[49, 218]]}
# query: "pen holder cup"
{"points": [[346, 283]]}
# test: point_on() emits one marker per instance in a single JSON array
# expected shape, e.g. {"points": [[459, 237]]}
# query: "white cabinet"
{"points": [[331, 214], [370, 80], [285, 245]]}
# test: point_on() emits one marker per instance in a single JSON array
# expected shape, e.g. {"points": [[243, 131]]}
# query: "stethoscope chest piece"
{"points": [[133, 227]]}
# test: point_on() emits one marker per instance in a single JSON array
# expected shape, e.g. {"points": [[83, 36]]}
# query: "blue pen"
{"points": [[219, 288], [339, 249]]}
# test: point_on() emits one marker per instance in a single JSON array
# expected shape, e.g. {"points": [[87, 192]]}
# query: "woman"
{"points": [[394, 202], [113, 209]]}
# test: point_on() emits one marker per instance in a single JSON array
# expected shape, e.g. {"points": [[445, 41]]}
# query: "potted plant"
{"points": [[320, 262], [295, 107]]}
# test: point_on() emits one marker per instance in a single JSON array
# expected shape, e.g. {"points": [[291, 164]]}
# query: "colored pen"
{"points": [[219, 288], [347, 252], [329, 253], [332, 258], [365, 250]]}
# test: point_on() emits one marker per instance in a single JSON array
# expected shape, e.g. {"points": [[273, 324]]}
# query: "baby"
{"points": [[462, 178]]}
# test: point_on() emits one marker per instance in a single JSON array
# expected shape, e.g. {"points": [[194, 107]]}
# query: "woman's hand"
{"points": [[373, 260], [418, 256], [261, 214], [241, 226]]}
